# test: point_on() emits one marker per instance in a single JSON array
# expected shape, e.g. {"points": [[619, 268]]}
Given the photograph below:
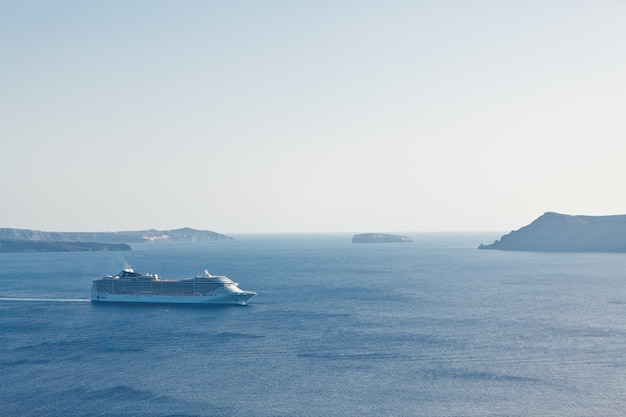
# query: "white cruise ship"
{"points": [[131, 287]]}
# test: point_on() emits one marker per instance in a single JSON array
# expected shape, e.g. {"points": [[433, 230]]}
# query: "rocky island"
{"points": [[380, 238], [554, 232], [151, 235], [46, 246], [26, 240]]}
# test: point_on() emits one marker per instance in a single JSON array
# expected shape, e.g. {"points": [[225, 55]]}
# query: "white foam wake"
{"points": [[49, 300]]}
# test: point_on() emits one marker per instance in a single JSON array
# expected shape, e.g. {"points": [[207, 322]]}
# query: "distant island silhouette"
{"points": [[554, 232], [151, 235], [47, 246], [379, 238], [26, 240]]}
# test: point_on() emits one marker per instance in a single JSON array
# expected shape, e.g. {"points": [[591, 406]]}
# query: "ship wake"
{"points": [[46, 300]]}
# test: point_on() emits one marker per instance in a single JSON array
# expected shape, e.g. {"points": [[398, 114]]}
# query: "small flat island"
{"points": [[380, 238]]}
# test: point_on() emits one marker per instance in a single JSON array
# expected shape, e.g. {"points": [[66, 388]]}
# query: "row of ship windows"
{"points": [[156, 288]]}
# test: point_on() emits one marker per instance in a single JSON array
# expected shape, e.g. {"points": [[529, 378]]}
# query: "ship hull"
{"points": [[229, 298]]}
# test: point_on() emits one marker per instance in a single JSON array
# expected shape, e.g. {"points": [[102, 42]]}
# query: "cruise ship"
{"points": [[131, 287]]}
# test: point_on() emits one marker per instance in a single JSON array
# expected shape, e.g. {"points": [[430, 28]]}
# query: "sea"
{"points": [[435, 327]]}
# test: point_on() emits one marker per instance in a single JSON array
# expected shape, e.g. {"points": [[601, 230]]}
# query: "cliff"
{"points": [[554, 232], [152, 235], [47, 246], [379, 238]]}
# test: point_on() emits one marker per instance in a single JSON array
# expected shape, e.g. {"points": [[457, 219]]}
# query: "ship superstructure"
{"points": [[132, 287]]}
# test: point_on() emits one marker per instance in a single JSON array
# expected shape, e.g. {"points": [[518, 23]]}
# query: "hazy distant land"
{"points": [[380, 238], [554, 232], [25, 240], [47, 246], [151, 235]]}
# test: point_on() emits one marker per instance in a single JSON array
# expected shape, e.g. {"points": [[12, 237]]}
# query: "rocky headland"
{"points": [[380, 238], [151, 235], [26, 240], [47, 246], [554, 232]]}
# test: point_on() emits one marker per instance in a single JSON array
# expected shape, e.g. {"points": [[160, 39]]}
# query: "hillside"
{"points": [[47, 246], [554, 232], [152, 235]]}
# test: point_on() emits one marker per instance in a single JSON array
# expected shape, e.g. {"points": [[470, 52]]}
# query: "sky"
{"points": [[321, 116]]}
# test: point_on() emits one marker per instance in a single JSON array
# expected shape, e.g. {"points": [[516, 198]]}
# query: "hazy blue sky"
{"points": [[292, 116]]}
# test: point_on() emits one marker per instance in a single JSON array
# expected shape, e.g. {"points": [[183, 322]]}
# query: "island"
{"points": [[380, 238], [554, 232], [151, 235], [26, 240], [48, 246]]}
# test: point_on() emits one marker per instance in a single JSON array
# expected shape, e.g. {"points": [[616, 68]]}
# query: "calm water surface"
{"points": [[431, 328]]}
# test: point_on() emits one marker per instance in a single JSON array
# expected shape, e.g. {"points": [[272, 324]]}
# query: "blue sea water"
{"points": [[429, 328]]}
